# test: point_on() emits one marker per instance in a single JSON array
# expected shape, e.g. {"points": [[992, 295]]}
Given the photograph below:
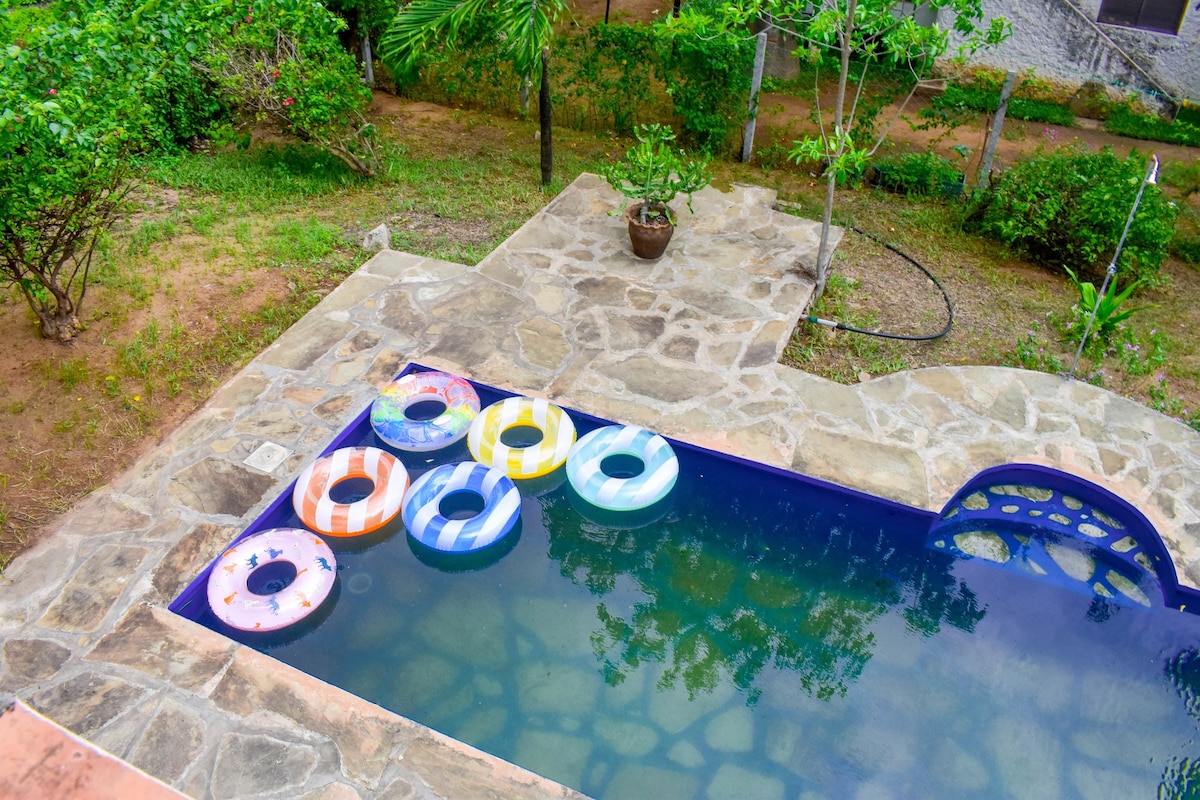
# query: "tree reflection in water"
{"points": [[729, 586]]}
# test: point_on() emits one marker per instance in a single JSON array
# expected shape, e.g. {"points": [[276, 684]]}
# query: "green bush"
{"points": [[919, 174], [1067, 208], [1126, 122]]}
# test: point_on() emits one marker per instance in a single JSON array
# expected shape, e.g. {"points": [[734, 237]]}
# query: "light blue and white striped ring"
{"points": [[425, 521], [660, 468]]}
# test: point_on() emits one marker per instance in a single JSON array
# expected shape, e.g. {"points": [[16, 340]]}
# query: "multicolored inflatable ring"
{"points": [[229, 594], [558, 434], [390, 420], [424, 519], [318, 510], [657, 478]]}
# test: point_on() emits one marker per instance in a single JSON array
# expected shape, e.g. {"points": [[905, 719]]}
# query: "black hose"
{"points": [[841, 326]]}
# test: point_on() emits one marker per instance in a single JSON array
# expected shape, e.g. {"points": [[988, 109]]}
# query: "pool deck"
{"points": [[687, 346]]}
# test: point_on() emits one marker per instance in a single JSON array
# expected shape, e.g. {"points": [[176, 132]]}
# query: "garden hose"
{"points": [[841, 326]]}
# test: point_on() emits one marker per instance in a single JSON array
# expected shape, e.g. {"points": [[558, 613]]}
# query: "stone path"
{"points": [[687, 346]]}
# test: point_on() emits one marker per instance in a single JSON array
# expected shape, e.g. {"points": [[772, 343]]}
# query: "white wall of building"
{"points": [[1063, 41]]}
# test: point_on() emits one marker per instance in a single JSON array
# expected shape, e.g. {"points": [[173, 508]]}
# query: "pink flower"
{"points": [[288, 101], [53, 91]]}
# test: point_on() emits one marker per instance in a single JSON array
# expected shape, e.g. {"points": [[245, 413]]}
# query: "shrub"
{"points": [[1125, 122], [919, 173], [1067, 209]]}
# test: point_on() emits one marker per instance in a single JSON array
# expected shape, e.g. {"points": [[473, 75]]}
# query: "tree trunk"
{"points": [[544, 112], [824, 256], [59, 323]]}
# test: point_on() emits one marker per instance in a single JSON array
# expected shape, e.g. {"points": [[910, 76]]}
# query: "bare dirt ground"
{"points": [[65, 428]]}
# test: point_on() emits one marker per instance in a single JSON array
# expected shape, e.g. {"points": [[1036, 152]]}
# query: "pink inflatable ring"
{"points": [[233, 602]]}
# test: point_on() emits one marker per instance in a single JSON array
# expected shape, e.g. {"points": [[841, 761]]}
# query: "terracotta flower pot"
{"points": [[649, 240]]}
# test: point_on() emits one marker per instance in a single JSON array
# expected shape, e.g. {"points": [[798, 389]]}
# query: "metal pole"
{"points": [[1111, 272]]}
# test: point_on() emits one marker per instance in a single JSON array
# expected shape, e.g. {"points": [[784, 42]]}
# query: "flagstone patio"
{"points": [[687, 346]]}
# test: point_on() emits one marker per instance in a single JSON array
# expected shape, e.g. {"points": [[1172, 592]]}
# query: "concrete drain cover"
{"points": [[267, 457]]}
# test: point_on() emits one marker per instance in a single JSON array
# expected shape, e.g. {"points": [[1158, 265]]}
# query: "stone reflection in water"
{"points": [[713, 602]]}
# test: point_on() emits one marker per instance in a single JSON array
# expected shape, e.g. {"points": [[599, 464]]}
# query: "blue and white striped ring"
{"points": [[660, 468], [424, 519]]}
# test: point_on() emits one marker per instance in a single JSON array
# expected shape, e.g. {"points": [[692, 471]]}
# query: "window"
{"points": [[1164, 16]]}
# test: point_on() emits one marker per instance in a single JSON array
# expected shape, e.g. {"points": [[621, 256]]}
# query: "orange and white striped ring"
{"points": [[318, 510]]}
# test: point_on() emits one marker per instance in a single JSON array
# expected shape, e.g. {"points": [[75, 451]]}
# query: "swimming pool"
{"points": [[759, 635]]}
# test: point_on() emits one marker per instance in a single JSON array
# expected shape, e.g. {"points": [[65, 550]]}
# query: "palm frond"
{"points": [[420, 25]]}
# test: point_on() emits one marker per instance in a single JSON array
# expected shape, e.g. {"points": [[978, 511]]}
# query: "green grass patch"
{"points": [[303, 241], [262, 179]]}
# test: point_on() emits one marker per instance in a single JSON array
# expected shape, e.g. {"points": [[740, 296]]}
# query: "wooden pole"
{"points": [[989, 150], [368, 61], [760, 56]]}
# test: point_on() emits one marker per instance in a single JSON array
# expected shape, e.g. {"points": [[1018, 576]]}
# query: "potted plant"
{"points": [[653, 173]]}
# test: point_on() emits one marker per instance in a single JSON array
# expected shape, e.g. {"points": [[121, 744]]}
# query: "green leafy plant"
{"points": [[1108, 309], [1068, 207], [524, 30], [74, 99], [1161, 398], [1030, 352], [1124, 121], [919, 174], [653, 173]]}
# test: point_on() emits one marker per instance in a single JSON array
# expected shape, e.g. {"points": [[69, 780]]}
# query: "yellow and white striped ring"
{"points": [[558, 434]]}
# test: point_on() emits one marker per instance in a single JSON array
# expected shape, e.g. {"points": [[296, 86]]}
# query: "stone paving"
{"points": [[687, 346]]}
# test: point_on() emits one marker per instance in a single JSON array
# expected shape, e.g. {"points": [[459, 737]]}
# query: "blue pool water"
{"points": [[758, 635]]}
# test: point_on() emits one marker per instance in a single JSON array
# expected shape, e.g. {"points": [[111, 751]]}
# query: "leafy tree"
{"points": [[75, 105], [873, 31], [525, 27]]}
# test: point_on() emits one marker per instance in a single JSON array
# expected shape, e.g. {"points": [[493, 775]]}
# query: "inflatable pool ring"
{"points": [[424, 519], [558, 434], [233, 602], [392, 425], [657, 478], [319, 511]]}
